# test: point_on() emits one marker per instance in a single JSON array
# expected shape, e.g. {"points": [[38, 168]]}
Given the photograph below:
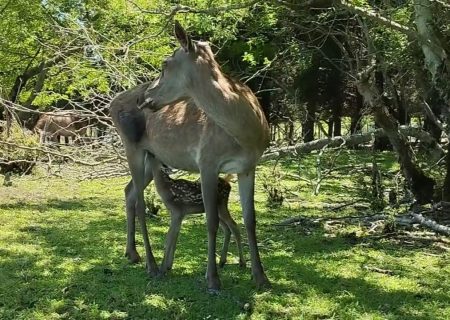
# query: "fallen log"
{"points": [[430, 224], [349, 141]]}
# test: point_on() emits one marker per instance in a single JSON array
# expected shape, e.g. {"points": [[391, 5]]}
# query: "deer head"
{"points": [[188, 67]]}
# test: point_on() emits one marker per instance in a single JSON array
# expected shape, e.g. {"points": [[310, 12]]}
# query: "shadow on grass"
{"points": [[304, 271], [83, 204], [82, 273]]}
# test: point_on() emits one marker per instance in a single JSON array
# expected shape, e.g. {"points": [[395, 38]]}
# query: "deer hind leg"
{"points": [[136, 162], [130, 200], [233, 228], [246, 192], [209, 178], [41, 137], [130, 207], [176, 218]]}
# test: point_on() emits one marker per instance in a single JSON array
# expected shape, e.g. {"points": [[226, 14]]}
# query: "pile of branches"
{"points": [[435, 218]]}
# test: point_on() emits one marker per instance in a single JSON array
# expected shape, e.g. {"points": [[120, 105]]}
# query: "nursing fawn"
{"points": [[183, 197]]}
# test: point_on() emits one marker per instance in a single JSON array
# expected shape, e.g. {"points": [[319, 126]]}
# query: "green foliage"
{"points": [[14, 158], [273, 188], [152, 201]]}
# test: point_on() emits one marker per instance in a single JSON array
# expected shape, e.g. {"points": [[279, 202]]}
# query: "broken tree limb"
{"points": [[378, 270], [352, 140], [430, 224], [312, 219], [406, 220]]}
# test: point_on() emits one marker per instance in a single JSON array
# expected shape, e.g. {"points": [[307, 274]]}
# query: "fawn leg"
{"points": [[226, 242], [176, 217]]}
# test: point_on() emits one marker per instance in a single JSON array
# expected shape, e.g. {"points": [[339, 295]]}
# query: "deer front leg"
{"points": [[137, 169], [171, 240], [209, 180], [246, 193]]}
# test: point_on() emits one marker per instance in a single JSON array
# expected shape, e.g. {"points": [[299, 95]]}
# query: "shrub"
{"points": [[14, 155]]}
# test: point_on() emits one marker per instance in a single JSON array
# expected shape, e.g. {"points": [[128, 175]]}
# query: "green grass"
{"points": [[62, 245]]}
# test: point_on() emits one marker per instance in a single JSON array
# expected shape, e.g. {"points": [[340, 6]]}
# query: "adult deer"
{"points": [[183, 197], [202, 121], [67, 124]]}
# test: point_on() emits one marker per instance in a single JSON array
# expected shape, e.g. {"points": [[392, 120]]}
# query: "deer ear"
{"points": [[183, 38]]}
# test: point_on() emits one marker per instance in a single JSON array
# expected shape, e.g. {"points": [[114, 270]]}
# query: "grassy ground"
{"points": [[62, 244]]}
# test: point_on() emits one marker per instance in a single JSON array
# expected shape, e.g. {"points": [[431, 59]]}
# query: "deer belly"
{"points": [[239, 164]]}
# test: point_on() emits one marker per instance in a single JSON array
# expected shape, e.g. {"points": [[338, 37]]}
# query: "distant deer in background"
{"points": [[183, 197], [53, 125]]}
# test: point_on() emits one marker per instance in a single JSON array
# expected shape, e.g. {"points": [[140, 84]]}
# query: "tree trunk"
{"points": [[381, 143], [337, 121], [421, 185], [308, 123], [290, 134], [432, 48], [330, 128], [355, 125], [436, 106], [446, 186]]}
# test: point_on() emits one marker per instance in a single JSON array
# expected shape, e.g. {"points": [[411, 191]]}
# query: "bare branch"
{"points": [[5, 7], [58, 154], [375, 16], [432, 116], [179, 8]]}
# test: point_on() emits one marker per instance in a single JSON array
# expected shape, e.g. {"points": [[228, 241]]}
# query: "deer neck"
{"points": [[161, 179], [233, 107]]}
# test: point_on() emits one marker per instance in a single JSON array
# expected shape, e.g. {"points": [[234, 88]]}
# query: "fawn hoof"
{"points": [[133, 256]]}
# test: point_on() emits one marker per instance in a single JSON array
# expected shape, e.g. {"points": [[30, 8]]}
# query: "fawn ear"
{"points": [[183, 38]]}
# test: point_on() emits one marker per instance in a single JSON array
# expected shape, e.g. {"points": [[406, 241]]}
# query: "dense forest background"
{"points": [[321, 68]]}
